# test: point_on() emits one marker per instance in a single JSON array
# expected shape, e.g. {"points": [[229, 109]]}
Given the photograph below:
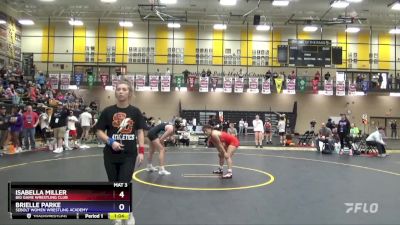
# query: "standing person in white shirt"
{"points": [[44, 121], [194, 124], [71, 131], [245, 126], [282, 129], [376, 139], [241, 126], [258, 127], [85, 120]]}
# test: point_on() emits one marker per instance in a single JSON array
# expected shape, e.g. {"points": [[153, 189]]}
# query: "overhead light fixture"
{"points": [[46, 0], [174, 25], [280, 3], [352, 30], [394, 31], [263, 27], [3, 22], [395, 5], [227, 2], [354, 1], [310, 28], [26, 22], [108, 1], [219, 26], [125, 24], [73, 22], [168, 2], [339, 4]]}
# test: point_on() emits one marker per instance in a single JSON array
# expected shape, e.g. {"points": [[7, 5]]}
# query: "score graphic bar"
{"points": [[73, 200]]}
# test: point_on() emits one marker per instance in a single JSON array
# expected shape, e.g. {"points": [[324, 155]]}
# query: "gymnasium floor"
{"points": [[269, 187]]}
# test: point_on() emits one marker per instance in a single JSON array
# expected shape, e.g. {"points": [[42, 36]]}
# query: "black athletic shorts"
{"points": [[152, 136]]}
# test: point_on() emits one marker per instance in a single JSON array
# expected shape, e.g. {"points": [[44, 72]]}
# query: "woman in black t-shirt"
{"points": [[121, 127]]}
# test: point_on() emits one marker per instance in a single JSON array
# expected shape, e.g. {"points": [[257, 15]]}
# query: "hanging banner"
{"points": [[253, 85], [328, 87], [352, 89], [165, 83], [154, 80], [191, 82], [315, 84], [278, 84], [203, 87], [78, 79], [114, 80], [365, 86], [178, 81], [65, 80], [140, 81], [131, 79], [291, 86], [266, 86], [90, 79], [302, 83], [239, 83], [340, 88], [214, 82], [228, 84], [54, 79], [104, 79]]}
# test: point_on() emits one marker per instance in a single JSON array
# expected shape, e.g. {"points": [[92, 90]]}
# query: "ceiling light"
{"points": [[168, 2], [3, 22], [26, 22], [263, 27], [108, 1], [394, 31], [227, 2], [396, 6], [46, 0], [174, 25], [280, 3], [354, 1], [75, 22], [352, 30], [339, 4], [310, 28], [125, 24], [219, 26]]}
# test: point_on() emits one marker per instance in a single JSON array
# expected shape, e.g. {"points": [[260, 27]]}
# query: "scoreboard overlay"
{"points": [[69, 200]]}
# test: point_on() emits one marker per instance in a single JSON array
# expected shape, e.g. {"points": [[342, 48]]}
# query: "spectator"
{"points": [[241, 126], [41, 80], [3, 126], [58, 123], [246, 126], [354, 131], [344, 131], [376, 139], [281, 127], [85, 120], [194, 123], [268, 131], [72, 120], [397, 85], [232, 130], [16, 125], [393, 126], [44, 120], [30, 122], [390, 82], [330, 124], [325, 136]]}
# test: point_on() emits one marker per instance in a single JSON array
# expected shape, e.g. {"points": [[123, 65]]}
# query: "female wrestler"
{"points": [[226, 145], [157, 142]]}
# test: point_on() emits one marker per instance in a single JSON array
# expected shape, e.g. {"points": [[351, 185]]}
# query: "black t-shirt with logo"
{"points": [[59, 118], [121, 124]]}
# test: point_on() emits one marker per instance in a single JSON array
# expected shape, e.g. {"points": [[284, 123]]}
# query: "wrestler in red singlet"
{"points": [[226, 145]]}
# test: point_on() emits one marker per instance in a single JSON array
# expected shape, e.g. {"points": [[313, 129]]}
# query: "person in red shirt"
{"points": [[30, 121], [226, 145]]}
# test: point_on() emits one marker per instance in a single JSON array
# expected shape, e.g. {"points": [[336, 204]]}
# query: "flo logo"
{"points": [[362, 208]]}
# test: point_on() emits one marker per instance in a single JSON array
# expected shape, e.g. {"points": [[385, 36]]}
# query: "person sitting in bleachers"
{"points": [[376, 139], [324, 142]]}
